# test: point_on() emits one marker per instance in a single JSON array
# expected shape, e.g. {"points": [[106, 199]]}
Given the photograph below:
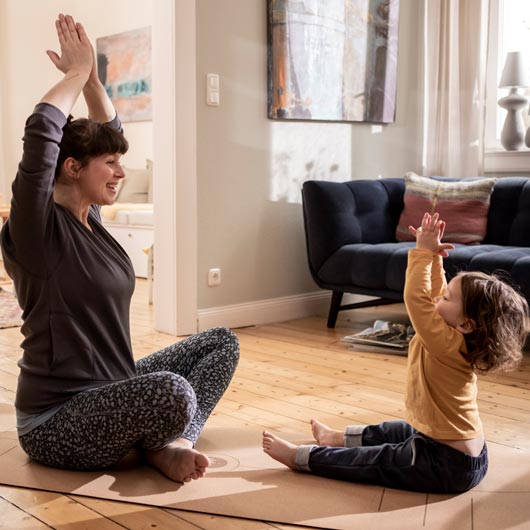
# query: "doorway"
{"points": [[175, 168]]}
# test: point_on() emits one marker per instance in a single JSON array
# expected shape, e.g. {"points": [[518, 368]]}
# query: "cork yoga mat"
{"points": [[244, 482]]}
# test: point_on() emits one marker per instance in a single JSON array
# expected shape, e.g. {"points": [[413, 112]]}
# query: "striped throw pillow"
{"points": [[463, 205]]}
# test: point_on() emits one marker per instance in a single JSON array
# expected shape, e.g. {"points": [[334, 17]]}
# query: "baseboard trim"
{"points": [[264, 311], [267, 311]]}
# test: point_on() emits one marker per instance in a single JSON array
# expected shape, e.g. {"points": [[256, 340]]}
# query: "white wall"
{"points": [[250, 169], [27, 30]]}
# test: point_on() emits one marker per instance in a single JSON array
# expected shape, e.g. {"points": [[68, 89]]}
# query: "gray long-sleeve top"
{"points": [[74, 285]]}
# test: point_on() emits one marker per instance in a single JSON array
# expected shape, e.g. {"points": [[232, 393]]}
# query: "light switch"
{"points": [[213, 93], [213, 81]]}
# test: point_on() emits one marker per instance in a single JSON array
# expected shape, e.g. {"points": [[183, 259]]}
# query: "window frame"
{"points": [[496, 158]]}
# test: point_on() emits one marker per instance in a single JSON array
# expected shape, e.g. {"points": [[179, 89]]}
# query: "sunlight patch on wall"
{"points": [[303, 151]]}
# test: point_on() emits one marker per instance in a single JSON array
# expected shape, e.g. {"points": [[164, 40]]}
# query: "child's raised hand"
{"points": [[429, 235]]}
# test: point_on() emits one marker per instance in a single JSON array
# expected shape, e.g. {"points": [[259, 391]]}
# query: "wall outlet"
{"points": [[214, 277]]}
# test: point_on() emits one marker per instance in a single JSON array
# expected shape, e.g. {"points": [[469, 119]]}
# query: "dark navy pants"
{"points": [[395, 455]]}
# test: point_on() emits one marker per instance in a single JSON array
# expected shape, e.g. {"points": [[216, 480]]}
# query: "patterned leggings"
{"points": [[172, 396]]}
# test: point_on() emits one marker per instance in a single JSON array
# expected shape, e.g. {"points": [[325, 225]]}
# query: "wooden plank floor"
{"points": [[289, 373]]}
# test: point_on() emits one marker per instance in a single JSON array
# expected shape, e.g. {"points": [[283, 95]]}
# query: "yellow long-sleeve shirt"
{"points": [[441, 396]]}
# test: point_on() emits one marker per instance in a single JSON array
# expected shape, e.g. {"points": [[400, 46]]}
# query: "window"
{"points": [[509, 31]]}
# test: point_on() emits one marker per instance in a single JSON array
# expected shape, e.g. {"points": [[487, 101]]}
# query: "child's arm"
{"points": [[425, 280], [429, 236], [438, 281]]}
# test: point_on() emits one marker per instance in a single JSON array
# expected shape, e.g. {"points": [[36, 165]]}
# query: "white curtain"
{"points": [[455, 56]]}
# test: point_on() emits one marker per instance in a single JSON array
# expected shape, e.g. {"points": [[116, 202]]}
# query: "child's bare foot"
{"points": [[324, 435], [179, 461], [279, 449]]}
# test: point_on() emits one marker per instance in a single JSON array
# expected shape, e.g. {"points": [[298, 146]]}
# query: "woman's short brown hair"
{"points": [[84, 139], [500, 315]]}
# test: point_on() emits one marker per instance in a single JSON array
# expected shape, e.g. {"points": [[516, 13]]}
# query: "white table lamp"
{"points": [[514, 76]]}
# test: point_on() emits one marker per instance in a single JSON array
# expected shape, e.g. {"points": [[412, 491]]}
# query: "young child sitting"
{"points": [[476, 323]]}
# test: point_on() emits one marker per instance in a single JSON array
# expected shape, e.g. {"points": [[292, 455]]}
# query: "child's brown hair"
{"points": [[500, 315]]}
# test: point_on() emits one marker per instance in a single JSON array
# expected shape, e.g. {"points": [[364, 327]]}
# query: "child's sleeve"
{"points": [[438, 281], [431, 329]]}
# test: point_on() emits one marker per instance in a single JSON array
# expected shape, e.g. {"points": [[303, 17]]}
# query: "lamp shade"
{"points": [[515, 72]]}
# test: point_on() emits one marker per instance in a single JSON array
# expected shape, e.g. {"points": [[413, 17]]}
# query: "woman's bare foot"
{"points": [[324, 435], [179, 461], [279, 449], [131, 460]]}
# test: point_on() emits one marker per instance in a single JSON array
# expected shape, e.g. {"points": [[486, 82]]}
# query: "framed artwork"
{"points": [[333, 61], [124, 68]]}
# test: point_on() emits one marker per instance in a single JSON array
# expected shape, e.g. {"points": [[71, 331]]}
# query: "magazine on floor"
{"points": [[383, 336]]}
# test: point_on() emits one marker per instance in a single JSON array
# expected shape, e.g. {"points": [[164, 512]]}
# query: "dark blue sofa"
{"points": [[351, 244]]}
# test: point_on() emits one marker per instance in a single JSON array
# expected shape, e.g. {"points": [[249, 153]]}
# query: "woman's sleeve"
{"points": [[32, 213], [116, 123]]}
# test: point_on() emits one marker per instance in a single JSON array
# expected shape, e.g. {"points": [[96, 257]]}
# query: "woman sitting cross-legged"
{"points": [[82, 402]]}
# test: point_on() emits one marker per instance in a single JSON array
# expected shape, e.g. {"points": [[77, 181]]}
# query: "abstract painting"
{"points": [[334, 60], [124, 68]]}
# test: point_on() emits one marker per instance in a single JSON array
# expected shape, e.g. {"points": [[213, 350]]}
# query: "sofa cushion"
{"points": [[509, 214], [135, 187], [379, 267], [462, 256], [511, 263], [463, 204]]}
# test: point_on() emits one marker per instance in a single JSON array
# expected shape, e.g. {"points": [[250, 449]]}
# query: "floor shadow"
{"points": [[294, 497]]}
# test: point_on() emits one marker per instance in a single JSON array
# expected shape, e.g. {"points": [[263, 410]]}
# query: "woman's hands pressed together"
{"points": [[78, 63], [429, 235], [77, 56]]}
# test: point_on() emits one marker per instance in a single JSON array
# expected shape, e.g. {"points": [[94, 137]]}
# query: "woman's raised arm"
{"points": [[76, 62], [100, 107]]}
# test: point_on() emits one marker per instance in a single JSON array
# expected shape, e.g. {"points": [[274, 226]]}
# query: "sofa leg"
{"points": [[334, 308]]}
